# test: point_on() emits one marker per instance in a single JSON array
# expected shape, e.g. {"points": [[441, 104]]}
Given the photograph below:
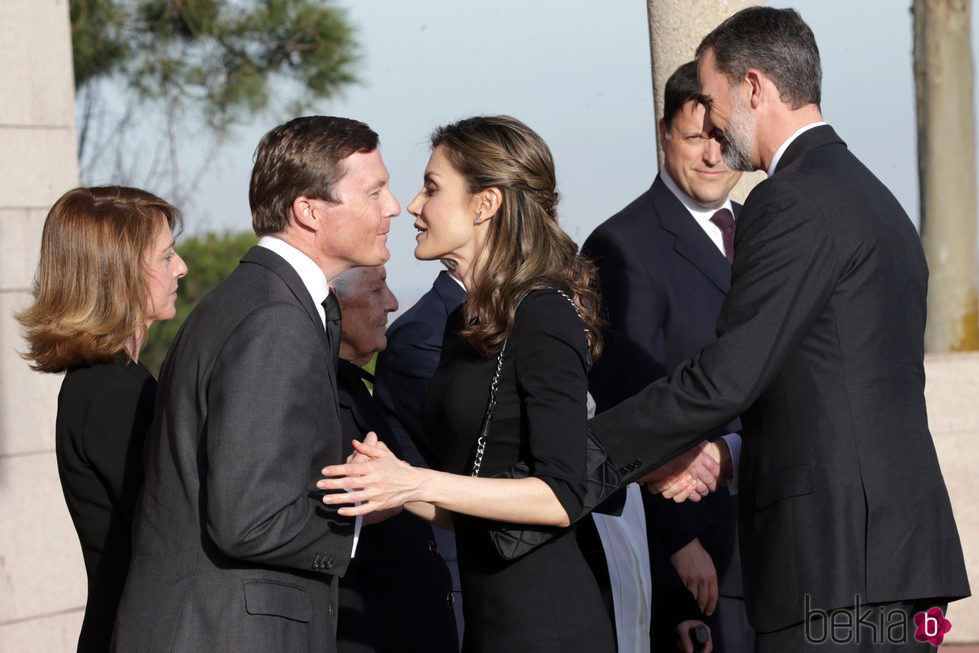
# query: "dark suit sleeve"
{"points": [[404, 371], [116, 422], [783, 275], [634, 355], [268, 398]]}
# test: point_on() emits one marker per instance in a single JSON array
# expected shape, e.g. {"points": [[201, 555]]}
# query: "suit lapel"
{"points": [[278, 265], [690, 241]]}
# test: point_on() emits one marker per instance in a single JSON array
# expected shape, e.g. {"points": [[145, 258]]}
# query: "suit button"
{"points": [[623, 470], [450, 599], [329, 564], [433, 548], [331, 609]]}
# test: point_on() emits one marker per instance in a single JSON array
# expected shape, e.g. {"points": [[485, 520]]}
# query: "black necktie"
{"points": [[332, 309], [725, 222]]}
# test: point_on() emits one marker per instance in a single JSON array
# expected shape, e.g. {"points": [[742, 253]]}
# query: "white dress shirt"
{"points": [[700, 214]]}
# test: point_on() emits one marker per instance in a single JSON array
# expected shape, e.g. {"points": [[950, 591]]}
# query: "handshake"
{"points": [[692, 474]]}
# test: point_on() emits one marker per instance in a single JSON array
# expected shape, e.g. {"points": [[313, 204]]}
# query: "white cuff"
{"points": [[358, 522]]}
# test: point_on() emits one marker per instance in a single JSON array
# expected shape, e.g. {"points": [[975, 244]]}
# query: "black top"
{"points": [[548, 599], [104, 412]]}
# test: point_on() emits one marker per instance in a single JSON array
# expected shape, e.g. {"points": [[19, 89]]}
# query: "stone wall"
{"points": [[952, 392], [42, 577]]}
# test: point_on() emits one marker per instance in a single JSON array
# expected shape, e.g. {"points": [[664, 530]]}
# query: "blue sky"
{"points": [[581, 77]]}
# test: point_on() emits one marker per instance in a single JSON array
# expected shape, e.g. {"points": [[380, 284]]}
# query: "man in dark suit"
{"points": [[405, 367], [663, 274], [233, 548], [395, 594], [403, 371], [842, 507]]}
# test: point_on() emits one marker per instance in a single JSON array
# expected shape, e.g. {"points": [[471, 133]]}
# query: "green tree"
{"points": [[163, 66], [210, 258]]}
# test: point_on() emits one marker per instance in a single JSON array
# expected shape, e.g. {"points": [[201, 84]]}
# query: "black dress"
{"points": [[547, 600], [104, 412]]}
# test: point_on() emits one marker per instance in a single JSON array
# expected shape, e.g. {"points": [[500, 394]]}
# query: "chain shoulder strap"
{"points": [[491, 406], [488, 418]]}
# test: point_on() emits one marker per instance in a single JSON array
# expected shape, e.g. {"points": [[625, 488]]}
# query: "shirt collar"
{"points": [[781, 150], [310, 273]]}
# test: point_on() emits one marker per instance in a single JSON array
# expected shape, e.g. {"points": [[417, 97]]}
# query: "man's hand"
{"points": [[696, 570], [691, 475], [356, 456]]}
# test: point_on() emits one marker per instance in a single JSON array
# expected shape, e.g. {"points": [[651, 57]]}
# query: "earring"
{"points": [[479, 218]]}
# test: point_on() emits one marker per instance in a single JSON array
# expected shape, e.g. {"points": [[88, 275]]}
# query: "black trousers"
{"points": [[864, 628]]}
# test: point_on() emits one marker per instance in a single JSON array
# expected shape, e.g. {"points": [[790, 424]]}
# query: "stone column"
{"points": [[42, 577], [676, 28], [944, 76]]}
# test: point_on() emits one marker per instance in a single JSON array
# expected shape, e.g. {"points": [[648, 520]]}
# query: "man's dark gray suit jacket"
{"points": [[233, 549], [820, 350]]}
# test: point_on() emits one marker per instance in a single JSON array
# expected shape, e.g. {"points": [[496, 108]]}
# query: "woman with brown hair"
{"points": [[107, 271], [488, 207]]}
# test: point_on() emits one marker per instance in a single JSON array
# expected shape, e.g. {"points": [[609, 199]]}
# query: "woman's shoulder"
{"points": [[548, 304], [111, 380], [550, 312]]}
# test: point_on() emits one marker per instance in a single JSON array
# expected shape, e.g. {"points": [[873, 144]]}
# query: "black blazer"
{"points": [[820, 350], [233, 548], [395, 595], [405, 368], [662, 283], [104, 412]]}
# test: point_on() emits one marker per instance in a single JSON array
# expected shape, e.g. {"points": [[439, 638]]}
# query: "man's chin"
{"points": [[380, 257]]}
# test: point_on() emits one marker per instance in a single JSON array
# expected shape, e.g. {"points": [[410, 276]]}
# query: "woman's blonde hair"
{"points": [[525, 249], [89, 290]]}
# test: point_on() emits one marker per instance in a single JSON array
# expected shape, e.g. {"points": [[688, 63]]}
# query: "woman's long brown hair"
{"points": [[526, 249]]}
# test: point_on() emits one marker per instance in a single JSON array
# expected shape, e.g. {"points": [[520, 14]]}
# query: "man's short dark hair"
{"points": [[681, 87], [775, 41], [302, 157]]}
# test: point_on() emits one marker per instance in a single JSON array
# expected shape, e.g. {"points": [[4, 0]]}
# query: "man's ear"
{"points": [[662, 133], [759, 85], [303, 212], [488, 202]]}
